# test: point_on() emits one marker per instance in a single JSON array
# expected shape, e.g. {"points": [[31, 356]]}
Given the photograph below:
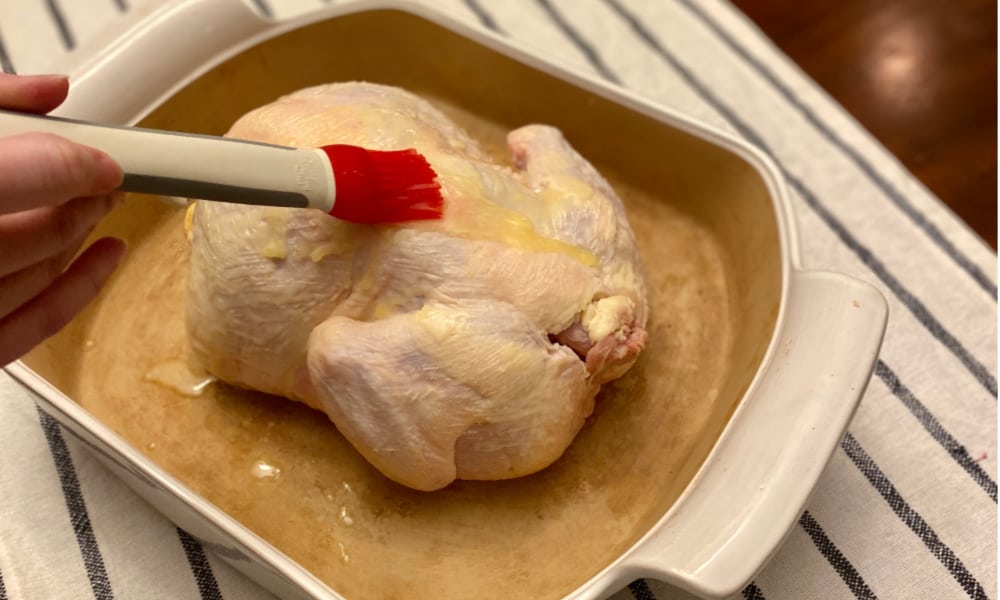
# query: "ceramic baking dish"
{"points": [[692, 470]]}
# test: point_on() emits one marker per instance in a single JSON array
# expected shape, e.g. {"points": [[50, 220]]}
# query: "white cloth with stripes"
{"points": [[906, 509]]}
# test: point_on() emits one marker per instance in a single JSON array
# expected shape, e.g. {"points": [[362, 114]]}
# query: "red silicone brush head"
{"points": [[383, 187]]}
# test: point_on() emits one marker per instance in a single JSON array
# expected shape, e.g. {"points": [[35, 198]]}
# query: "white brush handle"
{"points": [[197, 166]]}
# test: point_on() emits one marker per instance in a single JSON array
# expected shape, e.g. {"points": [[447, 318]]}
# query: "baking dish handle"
{"points": [[757, 479], [154, 54]]}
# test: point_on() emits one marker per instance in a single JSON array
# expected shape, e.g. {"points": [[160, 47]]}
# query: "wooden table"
{"points": [[921, 75]]}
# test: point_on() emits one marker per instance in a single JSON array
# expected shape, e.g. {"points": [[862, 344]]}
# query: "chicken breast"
{"points": [[471, 347]]}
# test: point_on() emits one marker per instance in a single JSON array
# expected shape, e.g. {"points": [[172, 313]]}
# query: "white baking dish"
{"points": [[784, 380]]}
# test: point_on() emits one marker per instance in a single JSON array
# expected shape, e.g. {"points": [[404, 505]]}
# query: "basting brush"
{"points": [[348, 182]]}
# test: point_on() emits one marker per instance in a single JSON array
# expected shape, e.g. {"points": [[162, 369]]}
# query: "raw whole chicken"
{"points": [[466, 348]]}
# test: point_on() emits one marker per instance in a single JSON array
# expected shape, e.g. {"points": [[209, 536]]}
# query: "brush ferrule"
{"points": [[324, 197]]}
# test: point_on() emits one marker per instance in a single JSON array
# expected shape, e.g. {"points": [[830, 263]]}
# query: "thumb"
{"points": [[40, 169]]}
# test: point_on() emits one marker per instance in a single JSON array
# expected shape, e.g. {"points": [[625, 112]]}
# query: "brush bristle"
{"points": [[383, 186]]}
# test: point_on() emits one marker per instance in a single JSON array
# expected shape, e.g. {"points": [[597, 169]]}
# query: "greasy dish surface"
{"points": [[534, 537]]}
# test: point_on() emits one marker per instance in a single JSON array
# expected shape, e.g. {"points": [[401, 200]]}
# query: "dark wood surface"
{"points": [[921, 75]]}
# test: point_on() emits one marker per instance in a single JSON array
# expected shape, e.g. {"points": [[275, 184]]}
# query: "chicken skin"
{"points": [[471, 347]]}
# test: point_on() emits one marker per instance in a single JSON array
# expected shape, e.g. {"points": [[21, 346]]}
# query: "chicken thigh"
{"points": [[470, 347]]}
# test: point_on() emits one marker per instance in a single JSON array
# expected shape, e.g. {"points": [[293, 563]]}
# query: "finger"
{"points": [[41, 169], [18, 288], [50, 311], [32, 236], [32, 93]]}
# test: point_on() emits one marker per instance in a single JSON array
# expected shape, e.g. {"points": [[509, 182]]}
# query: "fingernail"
{"points": [[53, 76], [108, 202], [122, 248], [110, 174], [117, 198]]}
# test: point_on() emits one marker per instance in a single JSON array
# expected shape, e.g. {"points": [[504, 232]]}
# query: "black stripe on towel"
{"points": [[912, 519], [836, 559], [752, 592], [484, 17], [893, 194], [916, 307], [78, 516], [5, 63], [937, 431], [264, 8], [640, 590], [60, 22], [208, 587], [3, 588], [592, 56]]}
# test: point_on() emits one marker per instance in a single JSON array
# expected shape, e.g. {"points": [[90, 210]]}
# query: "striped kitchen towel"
{"points": [[907, 509]]}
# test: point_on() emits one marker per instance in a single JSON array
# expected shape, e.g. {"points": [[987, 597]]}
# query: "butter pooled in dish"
{"points": [[466, 348]]}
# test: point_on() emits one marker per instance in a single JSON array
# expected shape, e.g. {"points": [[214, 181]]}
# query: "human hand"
{"points": [[52, 194]]}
